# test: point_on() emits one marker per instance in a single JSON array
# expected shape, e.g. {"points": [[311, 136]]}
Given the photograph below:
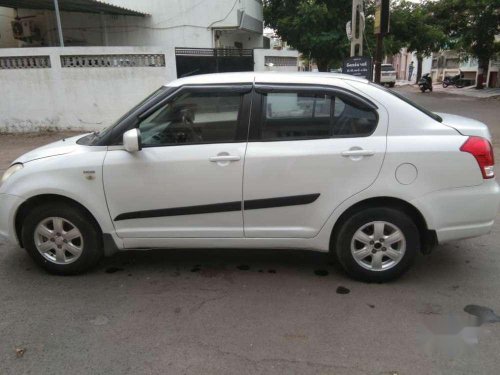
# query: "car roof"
{"points": [[262, 77]]}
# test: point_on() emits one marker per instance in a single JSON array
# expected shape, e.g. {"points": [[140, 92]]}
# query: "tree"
{"points": [[472, 26], [392, 44], [317, 28], [314, 27], [413, 25]]}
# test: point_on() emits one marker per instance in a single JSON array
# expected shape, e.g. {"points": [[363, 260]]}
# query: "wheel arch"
{"points": [[428, 238], [36, 200]]}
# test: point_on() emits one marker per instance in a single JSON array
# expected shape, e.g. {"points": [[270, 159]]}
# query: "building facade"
{"points": [[449, 63], [116, 52]]}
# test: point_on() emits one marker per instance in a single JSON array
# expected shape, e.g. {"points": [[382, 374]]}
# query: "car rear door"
{"points": [[310, 148]]}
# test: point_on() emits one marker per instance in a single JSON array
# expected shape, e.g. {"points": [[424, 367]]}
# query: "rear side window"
{"points": [[295, 116]]}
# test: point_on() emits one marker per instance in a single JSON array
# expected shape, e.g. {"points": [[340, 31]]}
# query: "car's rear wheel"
{"points": [[377, 244], [62, 238]]}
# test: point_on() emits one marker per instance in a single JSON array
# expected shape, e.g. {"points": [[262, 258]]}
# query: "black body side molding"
{"points": [[253, 204]]}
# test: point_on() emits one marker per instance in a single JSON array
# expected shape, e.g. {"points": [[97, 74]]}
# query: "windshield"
{"points": [[413, 104]]}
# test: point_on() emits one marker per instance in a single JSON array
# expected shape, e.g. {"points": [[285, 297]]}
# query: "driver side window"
{"points": [[193, 118]]}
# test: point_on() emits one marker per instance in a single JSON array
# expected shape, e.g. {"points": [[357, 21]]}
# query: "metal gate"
{"points": [[193, 61]]}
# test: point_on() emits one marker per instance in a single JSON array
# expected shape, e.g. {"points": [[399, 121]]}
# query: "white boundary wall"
{"points": [[260, 55], [89, 98]]}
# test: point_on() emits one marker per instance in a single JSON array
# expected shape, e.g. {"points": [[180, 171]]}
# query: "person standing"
{"points": [[410, 71]]}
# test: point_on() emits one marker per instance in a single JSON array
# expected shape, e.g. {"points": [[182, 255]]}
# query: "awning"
{"points": [[83, 6]]}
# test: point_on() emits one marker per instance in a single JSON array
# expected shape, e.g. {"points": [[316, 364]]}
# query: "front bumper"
{"points": [[8, 208], [461, 213]]}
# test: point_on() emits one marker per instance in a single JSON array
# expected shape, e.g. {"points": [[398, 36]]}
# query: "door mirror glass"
{"points": [[132, 140]]}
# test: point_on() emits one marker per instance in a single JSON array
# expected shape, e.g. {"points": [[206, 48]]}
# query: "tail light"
{"points": [[482, 150]]}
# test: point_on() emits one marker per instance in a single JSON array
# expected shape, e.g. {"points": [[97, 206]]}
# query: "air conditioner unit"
{"points": [[23, 29]]}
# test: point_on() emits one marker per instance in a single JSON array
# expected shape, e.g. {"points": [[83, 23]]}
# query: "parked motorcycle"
{"points": [[425, 83], [456, 80]]}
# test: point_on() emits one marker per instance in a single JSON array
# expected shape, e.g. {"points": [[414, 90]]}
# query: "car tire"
{"points": [[392, 84], [62, 238], [377, 260]]}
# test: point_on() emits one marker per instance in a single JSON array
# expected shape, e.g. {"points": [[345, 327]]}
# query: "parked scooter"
{"points": [[425, 83], [456, 80]]}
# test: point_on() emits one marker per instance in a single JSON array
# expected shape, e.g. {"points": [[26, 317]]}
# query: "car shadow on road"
{"points": [[446, 262]]}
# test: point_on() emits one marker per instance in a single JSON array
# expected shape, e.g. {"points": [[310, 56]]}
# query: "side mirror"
{"points": [[132, 140]]}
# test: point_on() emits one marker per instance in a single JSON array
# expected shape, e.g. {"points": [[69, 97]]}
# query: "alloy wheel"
{"points": [[378, 246], [58, 240]]}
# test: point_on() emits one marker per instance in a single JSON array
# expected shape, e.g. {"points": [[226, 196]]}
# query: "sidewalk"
{"points": [[468, 91]]}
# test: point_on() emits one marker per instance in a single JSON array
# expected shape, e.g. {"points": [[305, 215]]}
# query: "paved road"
{"points": [[239, 312]]}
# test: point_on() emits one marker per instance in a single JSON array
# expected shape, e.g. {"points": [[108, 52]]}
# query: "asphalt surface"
{"points": [[255, 312]]}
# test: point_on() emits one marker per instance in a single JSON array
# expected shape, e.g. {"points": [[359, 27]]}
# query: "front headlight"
{"points": [[11, 170]]}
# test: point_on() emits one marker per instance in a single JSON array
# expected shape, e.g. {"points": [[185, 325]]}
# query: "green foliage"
{"points": [[471, 25], [317, 28], [314, 27], [392, 44], [415, 27]]}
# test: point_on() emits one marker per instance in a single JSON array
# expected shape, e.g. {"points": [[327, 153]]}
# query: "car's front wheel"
{"points": [[62, 238], [377, 244]]}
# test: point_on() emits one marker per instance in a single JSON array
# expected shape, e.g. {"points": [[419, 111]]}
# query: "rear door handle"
{"points": [[219, 158], [349, 153]]}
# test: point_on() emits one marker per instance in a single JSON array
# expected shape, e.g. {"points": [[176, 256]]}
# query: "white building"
{"points": [[401, 63], [449, 63], [116, 52], [177, 23], [445, 63]]}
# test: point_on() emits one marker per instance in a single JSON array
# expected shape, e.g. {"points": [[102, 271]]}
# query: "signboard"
{"points": [[358, 66], [381, 23]]}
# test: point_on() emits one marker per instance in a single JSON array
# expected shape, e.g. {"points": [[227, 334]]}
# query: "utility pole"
{"points": [[357, 28], [357, 65], [378, 57], [381, 27], [59, 27]]}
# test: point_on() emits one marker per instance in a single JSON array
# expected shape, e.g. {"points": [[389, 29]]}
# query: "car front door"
{"points": [[187, 179], [309, 149]]}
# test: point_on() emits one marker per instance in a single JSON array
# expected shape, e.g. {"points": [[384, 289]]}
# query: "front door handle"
{"points": [[219, 158], [357, 152]]}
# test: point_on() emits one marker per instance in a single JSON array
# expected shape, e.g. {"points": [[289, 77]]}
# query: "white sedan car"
{"points": [[388, 75], [323, 162]]}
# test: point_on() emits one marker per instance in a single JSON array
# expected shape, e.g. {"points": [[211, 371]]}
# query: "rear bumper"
{"points": [[461, 213], [8, 208], [387, 79]]}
